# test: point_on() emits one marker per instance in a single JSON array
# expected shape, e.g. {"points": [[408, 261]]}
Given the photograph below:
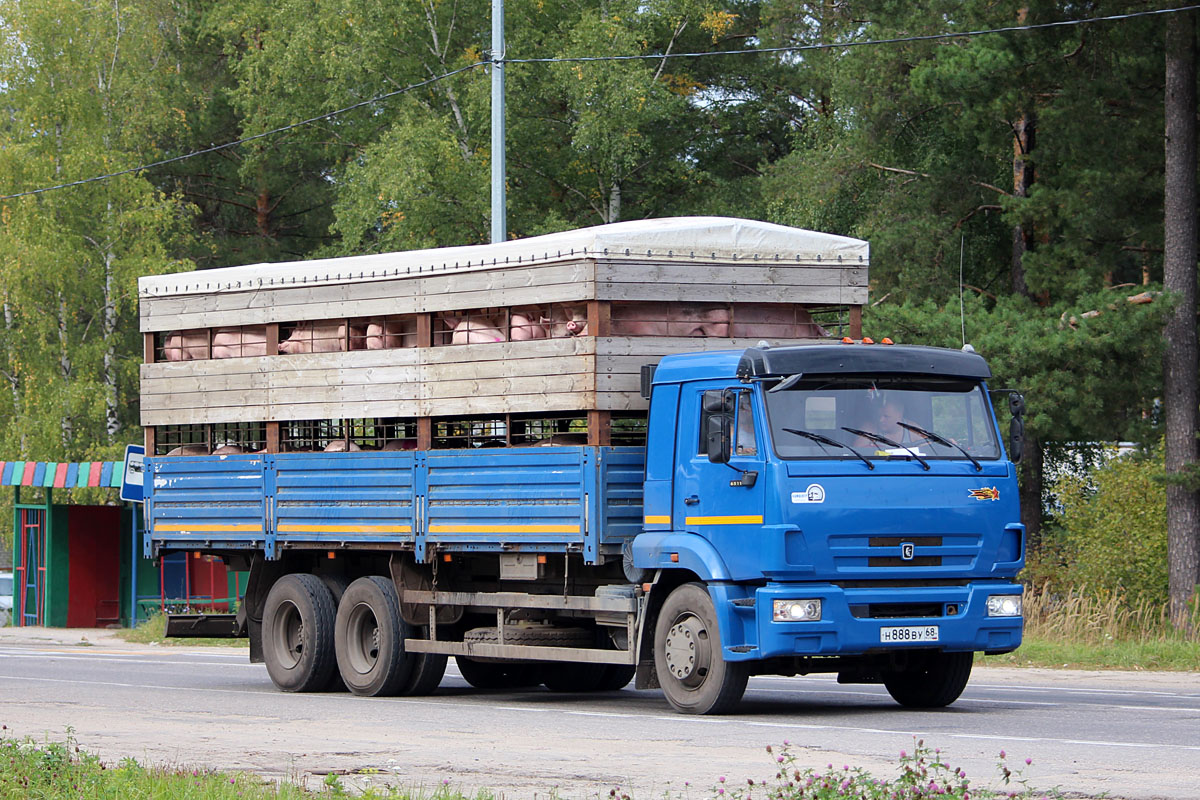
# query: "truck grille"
{"points": [[857, 553], [892, 543], [895, 610]]}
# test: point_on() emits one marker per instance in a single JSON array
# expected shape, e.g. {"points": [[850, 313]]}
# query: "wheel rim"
{"points": [[289, 636], [362, 638], [688, 651]]}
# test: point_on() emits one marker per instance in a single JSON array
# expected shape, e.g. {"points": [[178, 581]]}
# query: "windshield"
{"points": [[894, 417]]}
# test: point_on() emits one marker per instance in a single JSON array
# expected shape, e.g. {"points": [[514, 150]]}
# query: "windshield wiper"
{"points": [[942, 440], [875, 437], [823, 440]]}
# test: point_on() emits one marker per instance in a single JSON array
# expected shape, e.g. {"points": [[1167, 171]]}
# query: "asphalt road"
{"points": [[1127, 735]]}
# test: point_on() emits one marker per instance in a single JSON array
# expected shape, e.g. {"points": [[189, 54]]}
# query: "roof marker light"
{"points": [[868, 340], [886, 340], [847, 340]]}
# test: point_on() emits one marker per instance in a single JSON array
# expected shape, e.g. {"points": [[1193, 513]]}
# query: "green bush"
{"points": [[1111, 532]]}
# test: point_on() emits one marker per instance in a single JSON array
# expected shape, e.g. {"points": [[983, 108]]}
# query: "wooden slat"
{"points": [[703, 293], [732, 275], [560, 282]]}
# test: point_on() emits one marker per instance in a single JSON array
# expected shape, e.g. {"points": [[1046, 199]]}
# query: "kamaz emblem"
{"points": [[907, 551], [986, 494]]}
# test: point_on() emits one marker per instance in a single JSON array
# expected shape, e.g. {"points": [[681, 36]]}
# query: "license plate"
{"points": [[915, 633]]}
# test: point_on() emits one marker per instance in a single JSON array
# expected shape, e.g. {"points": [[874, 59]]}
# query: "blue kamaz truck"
{"points": [[779, 507]]}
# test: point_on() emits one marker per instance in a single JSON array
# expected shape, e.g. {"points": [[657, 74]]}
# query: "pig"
{"points": [[525, 325], [639, 319], [400, 444], [239, 342], [388, 334], [185, 345], [324, 336], [189, 450], [698, 320], [671, 319], [228, 450], [775, 321], [569, 321], [473, 330], [341, 446]]}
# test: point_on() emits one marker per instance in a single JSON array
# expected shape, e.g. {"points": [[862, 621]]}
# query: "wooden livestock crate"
{"points": [[546, 325]]}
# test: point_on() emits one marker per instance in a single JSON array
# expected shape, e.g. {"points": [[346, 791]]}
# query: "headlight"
{"points": [[1004, 605], [796, 610]]}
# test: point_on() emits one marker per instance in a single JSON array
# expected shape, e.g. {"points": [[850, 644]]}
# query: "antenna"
{"points": [[962, 317]]}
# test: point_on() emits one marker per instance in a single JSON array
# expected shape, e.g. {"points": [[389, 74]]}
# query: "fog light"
{"points": [[1004, 605], [796, 610]]}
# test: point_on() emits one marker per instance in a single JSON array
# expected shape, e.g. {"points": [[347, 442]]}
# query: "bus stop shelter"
{"points": [[81, 566]]}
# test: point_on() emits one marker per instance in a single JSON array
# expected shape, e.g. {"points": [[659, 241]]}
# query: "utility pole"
{"points": [[499, 199]]}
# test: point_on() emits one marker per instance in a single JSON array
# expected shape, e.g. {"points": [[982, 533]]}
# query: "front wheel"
{"points": [[692, 671], [931, 680]]}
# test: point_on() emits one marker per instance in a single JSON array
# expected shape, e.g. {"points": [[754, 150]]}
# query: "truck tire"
{"points": [[694, 675], [369, 638], [932, 681], [573, 676], [337, 586], [426, 675], [616, 676], [298, 633], [498, 674]]}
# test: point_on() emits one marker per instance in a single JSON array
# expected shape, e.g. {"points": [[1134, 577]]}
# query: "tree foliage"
{"points": [[1026, 166]]}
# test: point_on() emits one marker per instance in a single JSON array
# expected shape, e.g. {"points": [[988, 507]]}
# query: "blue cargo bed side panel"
{"points": [[622, 471], [344, 497], [212, 502], [528, 499]]}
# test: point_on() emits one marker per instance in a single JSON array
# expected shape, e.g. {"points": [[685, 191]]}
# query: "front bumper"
{"points": [[852, 618]]}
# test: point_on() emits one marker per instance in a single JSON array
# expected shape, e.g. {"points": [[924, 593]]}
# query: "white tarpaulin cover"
{"points": [[722, 239]]}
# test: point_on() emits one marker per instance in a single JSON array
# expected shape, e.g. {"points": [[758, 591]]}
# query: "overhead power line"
{"points": [[245, 139], [864, 43], [587, 59]]}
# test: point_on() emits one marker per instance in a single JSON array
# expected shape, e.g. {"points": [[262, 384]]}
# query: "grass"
{"points": [[54, 770], [153, 631], [1082, 630]]}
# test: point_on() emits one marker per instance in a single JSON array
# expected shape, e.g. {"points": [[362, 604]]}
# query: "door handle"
{"points": [[691, 501]]}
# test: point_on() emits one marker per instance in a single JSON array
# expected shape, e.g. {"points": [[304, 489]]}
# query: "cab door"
{"points": [[723, 502]]}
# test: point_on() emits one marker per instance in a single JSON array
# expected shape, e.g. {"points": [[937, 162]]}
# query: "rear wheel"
{"points": [[616, 676], [691, 669], [573, 676], [498, 674], [369, 638], [931, 680], [298, 633], [337, 586], [426, 675]]}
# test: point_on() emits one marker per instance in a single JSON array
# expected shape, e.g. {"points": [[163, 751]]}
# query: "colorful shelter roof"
{"points": [[62, 475]]}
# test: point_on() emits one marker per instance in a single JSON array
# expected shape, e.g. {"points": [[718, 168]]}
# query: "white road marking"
{"points": [[673, 718]]}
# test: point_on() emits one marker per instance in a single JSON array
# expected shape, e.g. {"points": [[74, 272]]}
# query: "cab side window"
{"points": [[745, 441]]}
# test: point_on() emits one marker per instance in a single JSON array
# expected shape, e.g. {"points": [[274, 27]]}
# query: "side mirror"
{"points": [[1016, 427], [717, 439]]}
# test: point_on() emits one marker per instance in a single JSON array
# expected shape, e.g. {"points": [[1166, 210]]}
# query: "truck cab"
{"points": [[843, 507]]}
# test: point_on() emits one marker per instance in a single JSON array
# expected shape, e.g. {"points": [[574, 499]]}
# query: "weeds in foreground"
{"points": [[923, 774], [55, 770]]}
